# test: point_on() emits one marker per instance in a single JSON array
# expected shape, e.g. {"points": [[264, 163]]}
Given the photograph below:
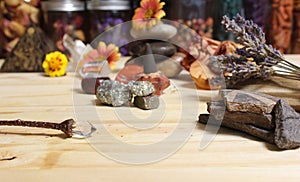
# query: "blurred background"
{"points": [[84, 20]]}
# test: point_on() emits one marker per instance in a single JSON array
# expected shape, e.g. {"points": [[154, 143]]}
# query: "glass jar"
{"points": [[65, 17], [15, 17], [105, 14]]}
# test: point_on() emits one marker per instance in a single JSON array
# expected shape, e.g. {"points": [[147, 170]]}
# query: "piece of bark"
{"points": [[237, 100], [281, 126], [287, 120], [267, 135], [263, 121]]}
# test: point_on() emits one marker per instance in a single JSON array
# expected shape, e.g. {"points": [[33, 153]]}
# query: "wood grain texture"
{"points": [[43, 155]]}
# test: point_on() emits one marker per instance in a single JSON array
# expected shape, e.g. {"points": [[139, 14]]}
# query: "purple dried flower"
{"points": [[255, 59], [118, 21]]}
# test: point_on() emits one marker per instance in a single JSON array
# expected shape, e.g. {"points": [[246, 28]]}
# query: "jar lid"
{"points": [[63, 5], [108, 5]]}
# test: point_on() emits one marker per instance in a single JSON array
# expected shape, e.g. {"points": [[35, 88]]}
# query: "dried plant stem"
{"points": [[65, 126], [281, 60]]}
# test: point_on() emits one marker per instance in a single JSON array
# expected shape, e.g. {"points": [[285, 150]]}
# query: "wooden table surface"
{"points": [[29, 154]]}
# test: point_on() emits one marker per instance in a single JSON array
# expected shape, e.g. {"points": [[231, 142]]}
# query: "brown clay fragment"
{"points": [[263, 116]]}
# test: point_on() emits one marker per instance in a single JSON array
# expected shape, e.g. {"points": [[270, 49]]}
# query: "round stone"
{"points": [[159, 31], [158, 47], [89, 85], [169, 68]]}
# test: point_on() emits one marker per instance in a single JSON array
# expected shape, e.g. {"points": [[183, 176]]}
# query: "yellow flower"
{"points": [[149, 14], [55, 64], [104, 52]]}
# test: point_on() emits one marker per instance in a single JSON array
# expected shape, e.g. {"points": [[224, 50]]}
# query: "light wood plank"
{"points": [[43, 155]]}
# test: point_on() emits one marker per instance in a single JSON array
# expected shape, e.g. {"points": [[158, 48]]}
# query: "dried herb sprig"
{"points": [[66, 126], [237, 68], [256, 58]]}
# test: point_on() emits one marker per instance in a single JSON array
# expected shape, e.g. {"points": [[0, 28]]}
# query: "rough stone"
{"points": [[281, 126], [141, 88], [237, 100], [146, 102], [159, 81], [113, 93], [287, 121]]}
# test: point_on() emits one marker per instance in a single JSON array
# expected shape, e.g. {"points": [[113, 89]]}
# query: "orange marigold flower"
{"points": [[55, 64], [103, 52], [148, 14]]}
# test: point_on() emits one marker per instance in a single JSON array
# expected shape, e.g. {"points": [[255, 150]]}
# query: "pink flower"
{"points": [[103, 52], [149, 14]]}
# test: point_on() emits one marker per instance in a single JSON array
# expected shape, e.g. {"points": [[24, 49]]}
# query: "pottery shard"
{"points": [[146, 102], [287, 121], [238, 100]]}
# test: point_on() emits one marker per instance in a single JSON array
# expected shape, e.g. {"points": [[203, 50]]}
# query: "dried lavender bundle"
{"points": [[256, 59], [238, 68]]}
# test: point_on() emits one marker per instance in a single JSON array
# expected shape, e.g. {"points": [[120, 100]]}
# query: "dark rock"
{"points": [[263, 121], [237, 100], [90, 85], [287, 121], [139, 60], [267, 135], [160, 48], [280, 126], [146, 102]]}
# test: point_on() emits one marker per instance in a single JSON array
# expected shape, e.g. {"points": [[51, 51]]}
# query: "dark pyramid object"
{"points": [[28, 54], [148, 61]]}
